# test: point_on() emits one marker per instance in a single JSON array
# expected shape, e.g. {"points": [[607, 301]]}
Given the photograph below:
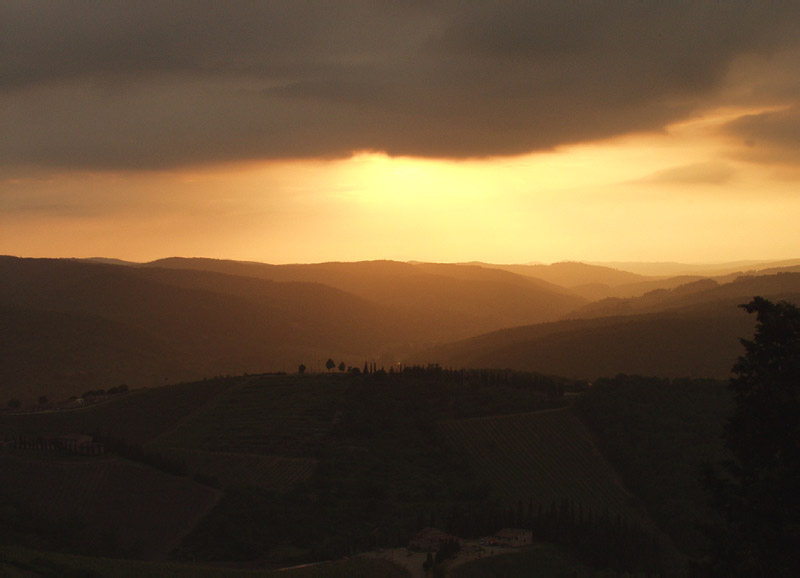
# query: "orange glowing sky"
{"points": [[363, 152]]}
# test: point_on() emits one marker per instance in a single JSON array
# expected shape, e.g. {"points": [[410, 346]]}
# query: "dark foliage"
{"points": [[137, 453], [384, 466], [758, 493], [600, 540], [658, 434]]}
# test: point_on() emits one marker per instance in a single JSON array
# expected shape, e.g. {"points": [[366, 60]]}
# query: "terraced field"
{"points": [[544, 457], [23, 562], [137, 417], [107, 503], [274, 473], [270, 415]]}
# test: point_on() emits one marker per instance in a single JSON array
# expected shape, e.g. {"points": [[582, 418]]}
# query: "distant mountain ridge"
{"points": [[671, 269], [73, 325], [694, 330], [178, 319]]}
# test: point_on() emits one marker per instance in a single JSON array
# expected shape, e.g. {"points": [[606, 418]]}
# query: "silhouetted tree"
{"points": [[42, 399], [757, 497], [330, 364], [301, 369], [428, 563], [14, 403], [342, 366]]}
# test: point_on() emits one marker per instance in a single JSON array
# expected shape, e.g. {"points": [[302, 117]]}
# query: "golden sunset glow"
{"points": [[440, 146], [626, 197]]}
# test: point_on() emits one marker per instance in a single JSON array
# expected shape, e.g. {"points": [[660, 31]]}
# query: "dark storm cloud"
{"points": [[148, 85], [770, 137]]}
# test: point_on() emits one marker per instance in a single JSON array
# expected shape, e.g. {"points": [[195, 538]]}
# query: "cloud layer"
{"points": [[138, 85]]}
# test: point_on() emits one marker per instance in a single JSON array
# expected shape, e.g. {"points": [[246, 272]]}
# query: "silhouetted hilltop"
{"points": [[693, 330], [694, 293], [188, 324], [573, 274], [671, 269], [700, 343], [452, 299], [186, 319]]}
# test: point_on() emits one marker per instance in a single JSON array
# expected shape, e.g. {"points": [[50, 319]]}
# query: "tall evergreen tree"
{"points": [[758, 495]]}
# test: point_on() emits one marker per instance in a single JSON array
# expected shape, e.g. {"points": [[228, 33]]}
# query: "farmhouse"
{"points": [[514, 537], [430, 539]]}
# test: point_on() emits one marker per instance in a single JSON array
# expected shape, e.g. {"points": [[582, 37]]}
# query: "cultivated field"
{"points": [[271, 415], [16, 561], [244, 470], [110, 504], [137, 416], [543, 457]]}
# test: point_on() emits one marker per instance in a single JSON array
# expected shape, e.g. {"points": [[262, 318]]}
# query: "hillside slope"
{"points": [[110, 506], [444, 299], [107, 324], [542, 458], [666, 345], [692, 331]]}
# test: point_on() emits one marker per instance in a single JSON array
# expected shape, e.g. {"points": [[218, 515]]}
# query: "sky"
{"points": [[301, 131]]}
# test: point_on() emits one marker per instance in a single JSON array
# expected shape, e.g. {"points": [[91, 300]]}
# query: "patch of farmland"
{"points": [[245, 470], [18, 561], [269, 415], [105, 504], [137, 416], [543, 457]]}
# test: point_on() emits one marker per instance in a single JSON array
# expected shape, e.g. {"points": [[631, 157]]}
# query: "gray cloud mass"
{"points": [[143, 85]]}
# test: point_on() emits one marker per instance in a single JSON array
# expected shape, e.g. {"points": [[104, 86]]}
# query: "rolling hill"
{"points": [[103, 505], [691, 331], [444, 298], [76, 325], [542, 458]]}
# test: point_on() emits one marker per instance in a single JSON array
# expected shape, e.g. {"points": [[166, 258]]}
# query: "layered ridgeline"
{"points": [[690, 331], [70, 326]]}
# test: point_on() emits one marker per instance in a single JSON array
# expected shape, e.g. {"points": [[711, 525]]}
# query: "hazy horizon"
{"points": [[304, 133], [600, 263]]}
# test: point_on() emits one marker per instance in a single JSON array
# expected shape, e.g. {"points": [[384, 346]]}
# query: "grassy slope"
{"points": [[16, 561], [278, 415], [382, 460], [137, 416], [103, 504], [542, 457], [658, 434], [702, 343]]}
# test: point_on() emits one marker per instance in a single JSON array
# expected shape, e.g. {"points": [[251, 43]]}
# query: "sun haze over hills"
{"points": [[300, 281], [74, 325], [311, 132]]}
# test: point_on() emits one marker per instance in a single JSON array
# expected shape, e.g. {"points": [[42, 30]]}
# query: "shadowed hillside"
{"points": [[666, 345], [102, 506], [453, 299], [693, 330], [781, 286], [144, 325]]}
